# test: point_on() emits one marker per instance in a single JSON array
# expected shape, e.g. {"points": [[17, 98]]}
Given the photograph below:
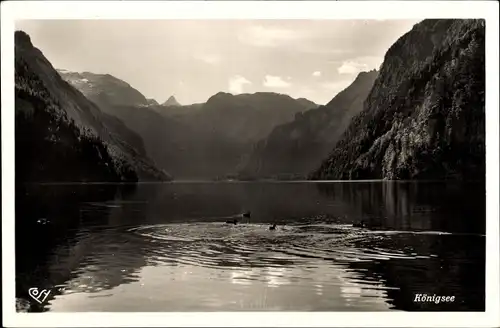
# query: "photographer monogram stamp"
{"points": [[39, 296]]}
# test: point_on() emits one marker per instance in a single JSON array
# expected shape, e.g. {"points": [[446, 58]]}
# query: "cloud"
{"points": [[316, 74], [209, 58], [372, 61], [351, 67], [268, 36], [236, 84], [271, 81]]}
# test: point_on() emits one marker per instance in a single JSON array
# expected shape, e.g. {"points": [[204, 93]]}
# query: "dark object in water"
{"points": [[43, 221], [246, 214], [232, 221], [360, 224], [273, 227]]}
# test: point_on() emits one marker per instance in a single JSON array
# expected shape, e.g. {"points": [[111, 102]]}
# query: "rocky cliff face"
{"points": [[105, 89], [424, 117], [294, 149], [62, 136]]}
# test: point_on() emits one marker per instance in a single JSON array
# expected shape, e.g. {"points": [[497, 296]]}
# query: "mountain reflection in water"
{"points": [[165, 247]]}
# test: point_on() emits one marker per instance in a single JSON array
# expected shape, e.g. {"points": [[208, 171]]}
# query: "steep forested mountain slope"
{"points": [[62, 136], [425, 116], [296, 148]]}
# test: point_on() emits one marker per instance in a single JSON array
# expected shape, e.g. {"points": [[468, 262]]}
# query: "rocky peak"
{"points": [[171, 101], [21, 38]]}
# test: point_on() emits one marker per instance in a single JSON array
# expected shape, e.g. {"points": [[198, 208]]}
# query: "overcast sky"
{"points": [[194, 59]]}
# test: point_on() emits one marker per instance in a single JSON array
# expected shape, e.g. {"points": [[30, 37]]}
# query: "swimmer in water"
{"points": [[273, 227], [359, 225]]}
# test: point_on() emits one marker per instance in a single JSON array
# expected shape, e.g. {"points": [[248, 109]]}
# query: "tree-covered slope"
{"points": [[62, 136]]}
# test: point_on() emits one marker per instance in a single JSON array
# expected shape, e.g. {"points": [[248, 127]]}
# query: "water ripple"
{"points": [[253, 245]]}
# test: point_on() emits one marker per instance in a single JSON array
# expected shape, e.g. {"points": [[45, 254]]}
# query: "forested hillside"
{"points": [[61, 136], [425, 116]]}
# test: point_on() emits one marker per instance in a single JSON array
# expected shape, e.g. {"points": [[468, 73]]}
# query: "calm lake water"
{"points": [[166, 247]]}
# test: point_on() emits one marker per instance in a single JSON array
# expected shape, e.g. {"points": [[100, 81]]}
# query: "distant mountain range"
{"points": [[294, 149], [420, 117], [243, 117], [247, 117], [177, 111], [205, 140]]}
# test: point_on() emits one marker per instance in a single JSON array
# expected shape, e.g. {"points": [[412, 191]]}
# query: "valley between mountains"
{"points": [[420, 116]]}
